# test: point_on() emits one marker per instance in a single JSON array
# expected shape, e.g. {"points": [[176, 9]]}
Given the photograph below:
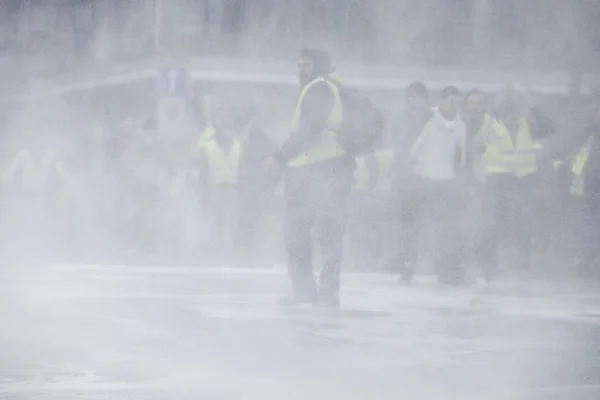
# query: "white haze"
{"points": [[63, 328]]}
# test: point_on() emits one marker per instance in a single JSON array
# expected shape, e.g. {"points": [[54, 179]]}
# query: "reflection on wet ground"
{"points": [[122, 333]]}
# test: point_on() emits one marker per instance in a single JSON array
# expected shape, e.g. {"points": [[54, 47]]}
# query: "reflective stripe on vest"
{"points": [[385, 158], [223, 166], [502, 156], [327, 146], [29, 174], [207, 135], [577, 168]]}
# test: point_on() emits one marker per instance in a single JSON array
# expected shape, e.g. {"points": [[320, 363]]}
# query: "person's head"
{"points": [[449, 102], [417, 96], [312, 64], [475, 103], [213, 109], [508, 108]]}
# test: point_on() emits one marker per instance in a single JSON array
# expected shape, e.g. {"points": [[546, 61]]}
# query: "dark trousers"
{"points": [[441, 201], [316, 196], [508, 219]]}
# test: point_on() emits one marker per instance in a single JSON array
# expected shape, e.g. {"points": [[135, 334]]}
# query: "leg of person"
{"points": [[412, 219], [524, 229], [331, 227], [589, 265], [487, 241], [356, 252], [450, 254], [300, 215]]}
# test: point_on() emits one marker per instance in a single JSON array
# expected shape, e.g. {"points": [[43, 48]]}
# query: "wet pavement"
{"points": [[197, 333]]}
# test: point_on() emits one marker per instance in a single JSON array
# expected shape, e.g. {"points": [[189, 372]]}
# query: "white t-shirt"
{"points": [[434, 152]]}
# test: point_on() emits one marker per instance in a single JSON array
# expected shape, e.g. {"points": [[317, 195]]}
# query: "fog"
{"points": [[136, 264]]}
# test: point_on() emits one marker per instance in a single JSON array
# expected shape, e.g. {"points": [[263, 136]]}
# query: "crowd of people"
{"points": [[472, 173]]}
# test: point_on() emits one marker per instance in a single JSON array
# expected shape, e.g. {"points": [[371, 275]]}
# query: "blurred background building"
{"points": [[54, 35]]}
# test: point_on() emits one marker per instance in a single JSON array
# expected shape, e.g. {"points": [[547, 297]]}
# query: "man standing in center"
{"points": [[318, 179], [438, 159]]}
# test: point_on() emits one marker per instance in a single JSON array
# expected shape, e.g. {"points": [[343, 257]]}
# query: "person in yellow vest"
{"points": [[585, 185], [219, 173], [511, 161], [318, 180], [213, 114]]}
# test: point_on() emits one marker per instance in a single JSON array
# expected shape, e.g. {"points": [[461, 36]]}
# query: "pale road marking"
{"points": [[558, 389], [124, 269]]}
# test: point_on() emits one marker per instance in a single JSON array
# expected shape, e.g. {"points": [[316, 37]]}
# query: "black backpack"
{"points": [[362, 123]]}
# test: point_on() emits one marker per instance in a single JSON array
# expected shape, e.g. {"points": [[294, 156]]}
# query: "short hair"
{"points": [[320, 58], [417, 89], [474, 92], [449, 91]]}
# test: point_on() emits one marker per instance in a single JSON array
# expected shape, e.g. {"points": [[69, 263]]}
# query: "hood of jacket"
{"points": [[442, 123]]}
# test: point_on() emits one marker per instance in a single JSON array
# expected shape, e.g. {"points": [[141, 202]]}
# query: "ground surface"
{"points": [[151, 333]]}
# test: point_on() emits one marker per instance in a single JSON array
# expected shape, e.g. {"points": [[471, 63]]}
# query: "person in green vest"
{"points": [[219, 169], [585, 184], [511, 160], [318, 180]]}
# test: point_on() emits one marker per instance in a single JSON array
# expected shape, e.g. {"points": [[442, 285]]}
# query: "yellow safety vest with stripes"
{"points": [[223, 166], [502, 156], [577, 187], [31, 174], [327, 146], [207, 135]]}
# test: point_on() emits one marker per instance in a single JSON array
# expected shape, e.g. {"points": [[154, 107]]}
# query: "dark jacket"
{"points": [[316, 107], [406, 129], [540, 123], [256, 147]]}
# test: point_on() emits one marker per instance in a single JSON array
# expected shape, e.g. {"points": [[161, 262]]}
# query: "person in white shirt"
{"points": [[438, 157]]}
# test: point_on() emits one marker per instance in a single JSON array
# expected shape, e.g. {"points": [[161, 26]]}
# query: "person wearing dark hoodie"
{"points": [[405, 129], [318, 180], [514, 170]]}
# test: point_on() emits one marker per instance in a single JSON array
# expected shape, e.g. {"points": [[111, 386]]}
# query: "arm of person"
{"points": [[540, 123], [463, 156], [314, 116]]}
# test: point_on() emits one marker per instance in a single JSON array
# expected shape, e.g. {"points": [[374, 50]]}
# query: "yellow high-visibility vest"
{"points": [[30, 174], [577, 187], [327, 146], [224, 166], [502, 156], [207, 135]]}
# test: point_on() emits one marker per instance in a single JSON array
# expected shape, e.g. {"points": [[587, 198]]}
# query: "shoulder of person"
{"points": [[321, 87]]}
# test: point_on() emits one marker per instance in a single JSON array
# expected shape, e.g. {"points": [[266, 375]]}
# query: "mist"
{"points": [[151, 215]]}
